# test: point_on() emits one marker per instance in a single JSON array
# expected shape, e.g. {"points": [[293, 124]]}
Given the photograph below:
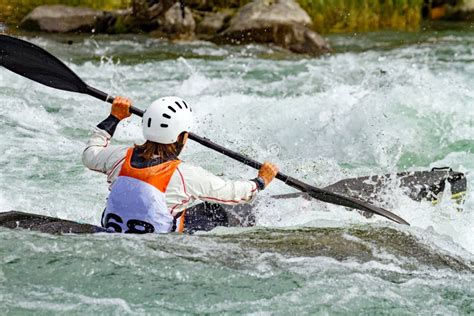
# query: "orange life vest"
{"points": [[133, 203], [158, 176]]}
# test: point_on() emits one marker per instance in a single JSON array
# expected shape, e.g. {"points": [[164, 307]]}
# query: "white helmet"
{"points": [[165, 119]]}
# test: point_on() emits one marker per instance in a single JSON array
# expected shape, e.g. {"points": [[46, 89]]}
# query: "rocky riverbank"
{"points": [[291, 24], [281, 22]]}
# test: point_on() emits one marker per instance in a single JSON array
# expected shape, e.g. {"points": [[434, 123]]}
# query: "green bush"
{"points": [[329, 16], [333, 16], [12, 11]]}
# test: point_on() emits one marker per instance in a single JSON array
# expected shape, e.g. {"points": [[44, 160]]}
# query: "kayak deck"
{"points": [[419, 185], [45, 224]]}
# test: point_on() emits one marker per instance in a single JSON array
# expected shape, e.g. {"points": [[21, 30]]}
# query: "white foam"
{"points": [[321, 120]]}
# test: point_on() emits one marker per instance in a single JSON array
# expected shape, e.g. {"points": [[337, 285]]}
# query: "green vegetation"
{"points": [[329, 16], [12, 11], [335, 16]]}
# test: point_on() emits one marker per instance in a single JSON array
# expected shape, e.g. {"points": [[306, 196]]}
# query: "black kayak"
{"points": [[418, 185]]}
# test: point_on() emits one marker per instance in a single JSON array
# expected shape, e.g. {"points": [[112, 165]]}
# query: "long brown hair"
{"points": [[165, 151]]}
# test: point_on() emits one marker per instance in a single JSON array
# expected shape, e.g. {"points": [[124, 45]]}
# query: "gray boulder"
{"points": [[173, 24], [462, 12], [212, 23], [121, 21], [299, 39], [282, 22], [159, 8], [65, 19], [267, 13], [144, 15]]}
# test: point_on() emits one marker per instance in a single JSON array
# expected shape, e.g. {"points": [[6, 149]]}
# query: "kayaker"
{"points": [[150, 187]]}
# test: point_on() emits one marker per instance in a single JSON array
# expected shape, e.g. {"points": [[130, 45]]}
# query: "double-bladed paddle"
{"points": [[33, 62]]}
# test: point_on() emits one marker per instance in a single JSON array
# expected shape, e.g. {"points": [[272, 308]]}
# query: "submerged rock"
{"points": [[65, 19], [282, 22], [360, 243]]}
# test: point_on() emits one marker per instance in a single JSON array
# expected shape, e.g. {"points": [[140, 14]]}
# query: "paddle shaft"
{"points": [[290, 181], [320, 194], [209, 144], [315, 192], [110, 99], [33, 62]]}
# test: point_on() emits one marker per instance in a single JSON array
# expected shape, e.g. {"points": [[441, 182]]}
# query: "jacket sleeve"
{"points": [[99, 155], [205, 186]]}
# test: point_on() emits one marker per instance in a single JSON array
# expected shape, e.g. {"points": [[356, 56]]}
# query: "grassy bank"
{"points": [[335, 16], [12, 11], [329, 16]]}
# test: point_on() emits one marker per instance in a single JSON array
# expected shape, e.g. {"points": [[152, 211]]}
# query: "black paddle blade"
{"points": [[320, 194], [33, 62], [350, 202], [335, 198]]}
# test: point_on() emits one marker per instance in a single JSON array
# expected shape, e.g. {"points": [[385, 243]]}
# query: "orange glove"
{"points": [[120, 108], [268, 172]]}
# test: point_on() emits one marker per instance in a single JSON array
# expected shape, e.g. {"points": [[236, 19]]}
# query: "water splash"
{"points": [[355, 113]]}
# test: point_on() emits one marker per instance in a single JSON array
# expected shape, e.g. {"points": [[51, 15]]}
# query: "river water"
{"points": [[382, 102]]}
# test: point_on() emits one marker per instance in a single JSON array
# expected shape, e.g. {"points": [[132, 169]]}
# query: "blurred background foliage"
{"points": [[12, 11], [329, 16], [334, 16]]}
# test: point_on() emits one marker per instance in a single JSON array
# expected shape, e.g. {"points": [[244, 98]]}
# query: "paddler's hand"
{"points": [[121, 108], [268, 172]]}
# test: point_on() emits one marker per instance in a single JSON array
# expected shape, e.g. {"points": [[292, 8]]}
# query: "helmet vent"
{"points": [[166, 116], [185, 104], [149, 122], [172, 109], [179, 105], [164, 125]]}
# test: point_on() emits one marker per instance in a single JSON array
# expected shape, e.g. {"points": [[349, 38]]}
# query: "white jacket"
{"points": [[187, 185]]}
